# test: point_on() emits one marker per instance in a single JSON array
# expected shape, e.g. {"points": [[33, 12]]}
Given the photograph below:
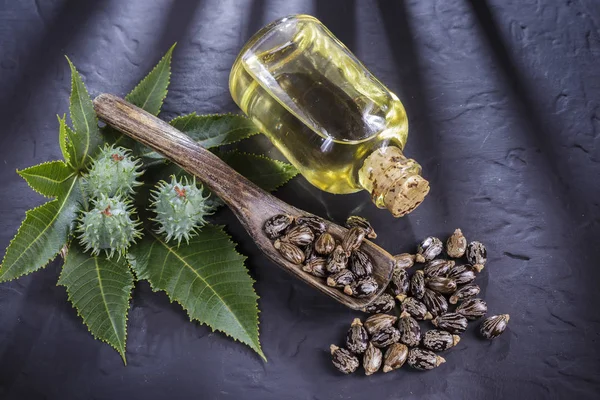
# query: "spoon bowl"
{"points": [[252, 205]]}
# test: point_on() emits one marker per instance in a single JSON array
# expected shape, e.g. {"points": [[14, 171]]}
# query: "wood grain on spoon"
{"points": [[252, 205]]}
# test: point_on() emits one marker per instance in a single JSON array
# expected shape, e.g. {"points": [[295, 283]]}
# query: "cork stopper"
{"points": [[393, 180]]}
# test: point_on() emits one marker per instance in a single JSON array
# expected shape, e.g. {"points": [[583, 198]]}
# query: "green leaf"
{"points": [[48, 179], [43, 233], [267, 173], [215, 130], [66, 137], [63, 142], [152, 90], [207, 277], [85, 138], [211, 130], [149, 95], [100, 290]]}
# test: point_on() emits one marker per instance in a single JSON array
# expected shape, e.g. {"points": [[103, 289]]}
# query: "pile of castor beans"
{"points": [[425, 295]]}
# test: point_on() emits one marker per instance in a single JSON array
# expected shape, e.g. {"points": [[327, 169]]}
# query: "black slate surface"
{"points": [[504, 105]]}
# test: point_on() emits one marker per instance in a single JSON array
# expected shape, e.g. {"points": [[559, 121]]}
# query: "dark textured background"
{"points": [[503, 99]]}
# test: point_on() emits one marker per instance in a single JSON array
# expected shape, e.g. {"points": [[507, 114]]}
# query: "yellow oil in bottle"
{"points": [[324, 111]]}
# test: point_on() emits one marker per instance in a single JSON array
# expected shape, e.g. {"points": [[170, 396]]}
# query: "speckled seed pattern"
{"points": [[404, 260], [341, 279], [462, 274], [379, 321], [435, 303], [343, 360], [372, 359], [424, 359], [464, 293], [395, 357], [275, 226], [410, 331], [399, 283], [361, 222], [494, 326], [417, 284], [429, 249], [360, 264], [299, 235], [476, 254], [451, 322], [324, 244], [456, 245], [357, 338], [385, 336], [383, 304], [290, 252], [438, 267], [472, 308], [438, 340], [441, 284], [415, 308], [316, 267]]}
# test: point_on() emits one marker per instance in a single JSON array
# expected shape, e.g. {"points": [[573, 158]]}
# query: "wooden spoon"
{"points": [[252, 205]]}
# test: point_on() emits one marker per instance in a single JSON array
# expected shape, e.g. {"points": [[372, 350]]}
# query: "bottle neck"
{"points": [[393, 180]]}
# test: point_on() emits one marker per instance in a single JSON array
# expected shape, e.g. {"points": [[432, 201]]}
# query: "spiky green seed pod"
{"points": [[108, 226], [180, 208], [113, 172]]}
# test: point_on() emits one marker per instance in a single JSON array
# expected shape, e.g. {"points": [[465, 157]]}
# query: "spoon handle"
{"points": [[235, 190]]}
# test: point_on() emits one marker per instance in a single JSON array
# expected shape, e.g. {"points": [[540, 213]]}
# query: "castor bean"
{"points": [[337, 260], [404, 260], [399, 283], [360, 263], [360, 222], [423, 359], [472, 308], [456, 245], [290, 252], [441, 285], [341, 279], [343, 360], [299, 235], [429, 249], [395, 357], [436, 303], [416, 309], [372, 359], [377, 322], [493, 326], [357, 337], [385, 336], [324, 244], [476, 255], [438, 267], [309, 252], [437, 340], [353, 239], [417, 284], [410, 331], [452, 322], [465, 292], [316, 267], [382, 304], [363, 287], [275, 226], [317, 225], [462, 274]]}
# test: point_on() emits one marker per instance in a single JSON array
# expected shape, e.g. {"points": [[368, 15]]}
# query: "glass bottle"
{"points": [[330, 117]]}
